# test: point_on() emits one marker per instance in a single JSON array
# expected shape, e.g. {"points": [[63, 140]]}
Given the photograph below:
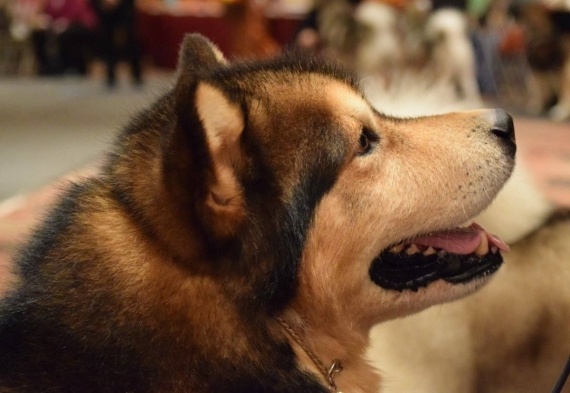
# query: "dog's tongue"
{"points": [[461, 240]]}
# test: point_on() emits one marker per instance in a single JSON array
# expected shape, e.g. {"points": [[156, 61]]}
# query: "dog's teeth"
{"points": [[483, 248], [429, 251], [494, 250], [441, 253], [413, 249], [397, 248]]}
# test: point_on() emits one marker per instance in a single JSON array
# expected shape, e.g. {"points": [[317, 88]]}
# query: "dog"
{"points": [[364, 35], [548, 54], [380, 47], [243, 235], [451, 53], [511, 336]]}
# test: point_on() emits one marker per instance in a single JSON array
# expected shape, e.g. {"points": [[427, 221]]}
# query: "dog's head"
{"points": [[308, 197]]}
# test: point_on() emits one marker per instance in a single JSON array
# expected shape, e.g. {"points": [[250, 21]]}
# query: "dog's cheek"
{"points": [[342, 242], [330, 245]]}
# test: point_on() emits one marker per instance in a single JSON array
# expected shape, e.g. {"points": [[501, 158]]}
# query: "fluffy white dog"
{"points": [[452, 54]]}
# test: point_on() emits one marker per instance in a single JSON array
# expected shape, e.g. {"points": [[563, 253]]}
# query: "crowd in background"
{"points": [[67, 34], [498, 48]]}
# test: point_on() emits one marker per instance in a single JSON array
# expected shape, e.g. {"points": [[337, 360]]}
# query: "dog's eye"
{"points": [[366, 141]]}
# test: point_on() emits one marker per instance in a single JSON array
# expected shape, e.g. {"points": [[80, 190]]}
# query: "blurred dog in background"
{"points": [[548, 51], [379, 41], [451, 54]]}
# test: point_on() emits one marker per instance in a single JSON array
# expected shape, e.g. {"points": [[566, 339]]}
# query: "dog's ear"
{"points": [[204, 151], [222, 124], [197, 55]]}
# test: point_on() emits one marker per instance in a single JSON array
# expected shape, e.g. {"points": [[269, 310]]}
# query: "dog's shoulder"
{"points": [[77, 321], [38, 350]]}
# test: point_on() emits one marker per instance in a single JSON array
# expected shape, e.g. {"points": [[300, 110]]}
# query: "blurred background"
{"points": [[73, 71]]}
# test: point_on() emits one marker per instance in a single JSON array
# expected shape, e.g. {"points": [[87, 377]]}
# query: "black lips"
{"points": [[401, 271]]}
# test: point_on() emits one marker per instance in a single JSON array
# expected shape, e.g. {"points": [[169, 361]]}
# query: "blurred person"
{"points": [[492, 26], [62, 34], [547, 32], [24, 16], [16, 21], [307, 36], [458, 4], [118, 36], [477, 8]]}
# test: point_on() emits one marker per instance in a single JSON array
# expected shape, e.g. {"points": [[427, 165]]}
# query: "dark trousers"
{"points": [[66, 51], [119, 40]]}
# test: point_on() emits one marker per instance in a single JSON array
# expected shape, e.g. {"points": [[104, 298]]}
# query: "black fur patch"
{"points": [[46, 237]]}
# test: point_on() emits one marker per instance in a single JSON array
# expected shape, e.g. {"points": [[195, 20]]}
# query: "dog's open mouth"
{"points": [[456, 256]]}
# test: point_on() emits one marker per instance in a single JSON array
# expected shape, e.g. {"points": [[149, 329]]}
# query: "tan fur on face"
{"points": [[425, 174], [361, 223]]}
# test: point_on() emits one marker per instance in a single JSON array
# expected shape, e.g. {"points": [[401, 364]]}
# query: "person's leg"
{"points": [[133, 52], [109, 50], [84, 46], [73, 46], [561, 111], [39, 42]]}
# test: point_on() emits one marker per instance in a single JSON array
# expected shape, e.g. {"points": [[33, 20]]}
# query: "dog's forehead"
{"points": [[347, 102], [305, 117], [315, 90]]}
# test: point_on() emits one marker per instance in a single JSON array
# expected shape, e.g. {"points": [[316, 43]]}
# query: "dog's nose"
{"points": [[503, 126]]}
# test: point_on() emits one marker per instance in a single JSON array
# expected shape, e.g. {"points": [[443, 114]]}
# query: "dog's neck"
{"points": [[323, 346]]}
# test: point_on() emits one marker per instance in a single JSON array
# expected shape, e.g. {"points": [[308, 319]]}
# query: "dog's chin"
{"points": [[411, 266]]}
